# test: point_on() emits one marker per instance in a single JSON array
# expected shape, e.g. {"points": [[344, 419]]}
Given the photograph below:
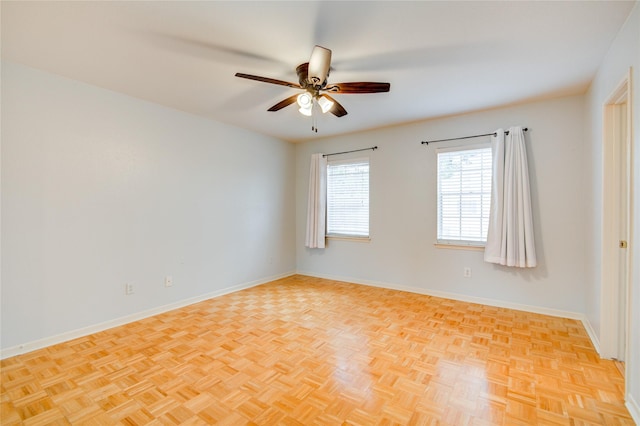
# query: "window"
{"points": [[348, 198], [464, 195]]}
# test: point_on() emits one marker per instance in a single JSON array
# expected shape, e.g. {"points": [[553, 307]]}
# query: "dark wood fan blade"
{"points": [[337, 109], [268, 80], [358, 87], [283, 103]]}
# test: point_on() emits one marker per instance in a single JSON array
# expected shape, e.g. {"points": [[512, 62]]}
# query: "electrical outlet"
{"points": [[467, 272], [128, 289], [168, 281]]}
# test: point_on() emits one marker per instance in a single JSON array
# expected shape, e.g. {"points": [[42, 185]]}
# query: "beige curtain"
{"points": [[317, 202], [510, 239]]}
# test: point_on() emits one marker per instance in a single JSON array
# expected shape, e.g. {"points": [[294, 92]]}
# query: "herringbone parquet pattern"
{"points": [[306, 351]]}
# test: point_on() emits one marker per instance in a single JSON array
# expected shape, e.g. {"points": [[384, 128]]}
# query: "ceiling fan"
{"points": [[312, 78]]}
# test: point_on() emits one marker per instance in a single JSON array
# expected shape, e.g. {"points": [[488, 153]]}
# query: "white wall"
{"points": [[100, 189], [401, 253], [623, 54]]}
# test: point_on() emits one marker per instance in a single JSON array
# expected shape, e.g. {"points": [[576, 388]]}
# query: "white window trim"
{"points": [[465, 147], [453, 246], [457, 244], [340, 237]]}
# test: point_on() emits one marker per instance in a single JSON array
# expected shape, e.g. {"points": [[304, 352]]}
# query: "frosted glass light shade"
{"points": [[305, 111], [325, 104], [305, 100]]}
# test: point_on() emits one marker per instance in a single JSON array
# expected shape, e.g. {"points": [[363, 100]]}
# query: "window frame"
{"points": [[459, 243], [346, 236]]}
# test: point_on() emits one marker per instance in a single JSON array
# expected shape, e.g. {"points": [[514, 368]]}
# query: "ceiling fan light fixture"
{"points": [[305, 100], [325, 104], [306, 111]]}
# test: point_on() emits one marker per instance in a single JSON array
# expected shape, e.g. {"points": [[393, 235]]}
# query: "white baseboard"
{"points": [[81, 332], [634, 409], [592, 335], [470, 299]]}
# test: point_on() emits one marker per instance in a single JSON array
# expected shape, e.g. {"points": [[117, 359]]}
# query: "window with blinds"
{"points": [[348, 198], [464, 195]]}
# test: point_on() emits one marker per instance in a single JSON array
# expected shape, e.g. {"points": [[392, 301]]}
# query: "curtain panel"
{"points": [[510, 238], [317, 202]]}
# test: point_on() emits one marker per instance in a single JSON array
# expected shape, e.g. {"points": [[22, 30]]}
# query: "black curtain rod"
{"points": [[373, 148], [468, 137]]}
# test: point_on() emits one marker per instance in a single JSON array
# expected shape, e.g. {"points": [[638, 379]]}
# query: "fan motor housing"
{"points": [[303, 78], [302, 70]]}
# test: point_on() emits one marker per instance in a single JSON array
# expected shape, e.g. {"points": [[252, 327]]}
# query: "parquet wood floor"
{"points": [[306, 351]]}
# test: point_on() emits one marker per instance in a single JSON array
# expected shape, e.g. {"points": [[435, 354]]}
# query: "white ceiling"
{"points": [[441, 58]]}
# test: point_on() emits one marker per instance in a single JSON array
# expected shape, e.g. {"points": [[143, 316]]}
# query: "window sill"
{"points": [[348, 238], [459, 247]]}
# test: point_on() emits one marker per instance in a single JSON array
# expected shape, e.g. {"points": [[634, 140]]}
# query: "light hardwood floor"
{"points": [[306, 351]]}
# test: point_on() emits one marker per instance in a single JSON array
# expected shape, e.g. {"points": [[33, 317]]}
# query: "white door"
{"points": [[624, 198], [617, 215]]}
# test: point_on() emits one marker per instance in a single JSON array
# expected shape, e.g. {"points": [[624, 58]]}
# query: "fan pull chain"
{"points": [[314, 121]]}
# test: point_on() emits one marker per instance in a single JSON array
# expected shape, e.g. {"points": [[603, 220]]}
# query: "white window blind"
{"points": [[348, 198], [464, 195]]}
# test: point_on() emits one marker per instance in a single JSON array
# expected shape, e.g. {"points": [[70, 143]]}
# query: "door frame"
{"points": [[611, 213]]}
